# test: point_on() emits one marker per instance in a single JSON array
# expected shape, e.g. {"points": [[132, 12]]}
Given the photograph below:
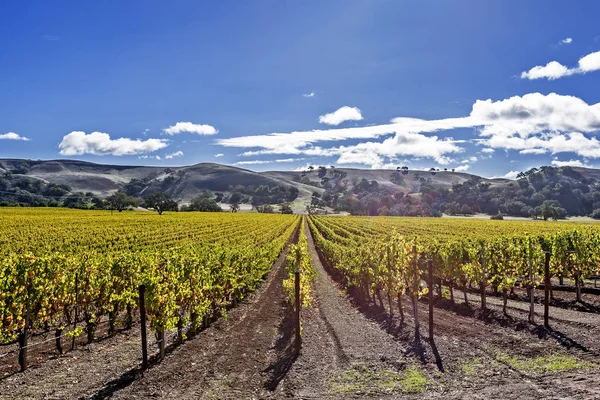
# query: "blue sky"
{"points": [[131, 82]]}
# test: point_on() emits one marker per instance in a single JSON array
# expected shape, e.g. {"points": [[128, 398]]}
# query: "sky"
{"points": [[487, 87]]}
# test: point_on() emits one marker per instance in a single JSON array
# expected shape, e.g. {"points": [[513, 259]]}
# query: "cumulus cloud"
{"points": [[533, 151], [309, 95], [510, 175], [259, 162], [462, 168], [555, 70], [219, 155], [12, 136], [173, 155], [340, 115], [533, 124], [78, 143], [570, 163], [181, 127], [566, 41]]}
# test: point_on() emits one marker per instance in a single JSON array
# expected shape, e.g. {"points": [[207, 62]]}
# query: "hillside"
{"points": [[102, 180], [183, 183], [358, 191]]}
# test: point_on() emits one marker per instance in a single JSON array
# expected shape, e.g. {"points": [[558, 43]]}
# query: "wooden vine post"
{"points": [[547, 287], [57, 336], [76, 309], [430, 290], [23, 340], [415, 294], [483, 277], [142, 301], [530, 286], [161, 344], [298, 339]]}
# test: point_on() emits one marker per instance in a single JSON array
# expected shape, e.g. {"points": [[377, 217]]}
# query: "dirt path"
{"points": [[237, 357], [338, 342]]}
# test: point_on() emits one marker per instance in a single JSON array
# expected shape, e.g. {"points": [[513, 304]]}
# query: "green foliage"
{"points": [[203, 204], [20, 190], [161, 202], [120, 201]]}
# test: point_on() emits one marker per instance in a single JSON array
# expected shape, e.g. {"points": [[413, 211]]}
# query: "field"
{"points": [[219, 300]]}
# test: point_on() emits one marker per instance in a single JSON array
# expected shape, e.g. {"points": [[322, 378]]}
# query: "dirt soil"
{"points": [[337, 341], [76, 373]]}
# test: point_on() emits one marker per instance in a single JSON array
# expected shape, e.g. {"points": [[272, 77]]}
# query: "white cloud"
{"points": [[533, 123], [146, 157], [309, 95], [12, 136], [173, 155], [509, 175], [189, 127], [533, 151], [566, 41], [303, 168], [259, 162], [342, 114], [555, 70], [469, 160], [570, 163], [98, 143], [219, 155], [462, 168]]}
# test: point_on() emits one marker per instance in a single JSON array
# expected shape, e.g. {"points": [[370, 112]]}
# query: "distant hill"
{"points": [[361, 191]]}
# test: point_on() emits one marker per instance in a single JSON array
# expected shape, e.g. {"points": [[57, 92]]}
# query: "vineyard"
{"points": [[388, 254], [228, 299], [60, 268]]}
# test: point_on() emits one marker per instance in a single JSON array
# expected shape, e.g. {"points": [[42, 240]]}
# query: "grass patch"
{"points": [[470, 367], [361, 379], [544, 364]]}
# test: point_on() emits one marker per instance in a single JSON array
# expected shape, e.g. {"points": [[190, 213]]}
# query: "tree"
{"points": [[286, 208], [120, 201], [234, 207], [315, 200], [161, 202], [235, 197], [498, 217], [595, 214], [265, 209], [204, 204], [551, 209], [466, 210], [322, 171]]}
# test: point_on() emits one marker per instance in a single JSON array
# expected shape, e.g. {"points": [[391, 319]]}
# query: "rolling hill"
{"points": [[103, 180], [186, 182]]}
